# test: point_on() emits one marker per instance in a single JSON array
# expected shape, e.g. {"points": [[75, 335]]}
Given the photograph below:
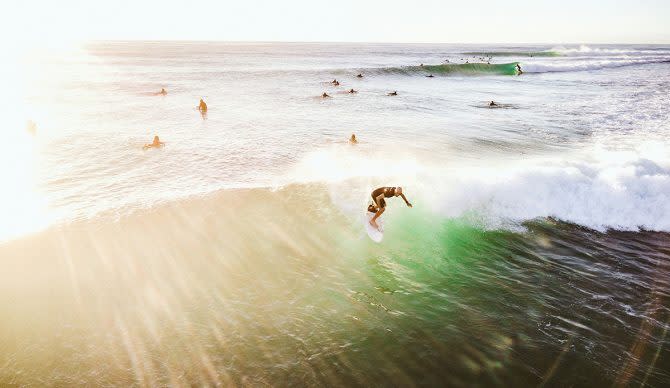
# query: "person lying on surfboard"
{"points": [[379, 206], [157, 143]]}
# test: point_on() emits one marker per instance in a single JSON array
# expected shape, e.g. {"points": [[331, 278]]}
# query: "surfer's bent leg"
{"points": [[373, 220], [380, 209]]}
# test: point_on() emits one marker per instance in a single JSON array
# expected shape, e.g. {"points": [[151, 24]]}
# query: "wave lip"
{"points": [[455, 68]]}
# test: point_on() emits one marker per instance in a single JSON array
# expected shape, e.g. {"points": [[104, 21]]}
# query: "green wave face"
{"points": [[515, 54], [470, 68]]}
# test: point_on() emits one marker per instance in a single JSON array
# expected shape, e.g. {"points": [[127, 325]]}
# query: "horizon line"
{"points": [[366, 42]]}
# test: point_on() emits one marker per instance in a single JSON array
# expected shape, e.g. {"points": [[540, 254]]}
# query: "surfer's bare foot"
{"points": [[374, 223]]}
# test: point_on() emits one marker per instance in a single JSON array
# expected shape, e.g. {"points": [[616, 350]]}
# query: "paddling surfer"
{"points": [[379, 206], [157, 143]]}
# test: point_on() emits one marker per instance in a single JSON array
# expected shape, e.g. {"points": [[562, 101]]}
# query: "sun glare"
{"points": [[20, 200]]}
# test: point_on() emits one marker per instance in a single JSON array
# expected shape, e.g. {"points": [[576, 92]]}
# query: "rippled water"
{"points": [[536, 253]]}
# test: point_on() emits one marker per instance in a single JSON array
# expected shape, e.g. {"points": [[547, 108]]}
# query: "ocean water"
{"points": [[537, 251]]}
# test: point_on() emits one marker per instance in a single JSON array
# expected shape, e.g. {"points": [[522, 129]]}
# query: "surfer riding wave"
{"points": [[379, 204]]}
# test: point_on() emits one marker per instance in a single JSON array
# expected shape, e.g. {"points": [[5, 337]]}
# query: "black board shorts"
{"points": [[382, 203]]}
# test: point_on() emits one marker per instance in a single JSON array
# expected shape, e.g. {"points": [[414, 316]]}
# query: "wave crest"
{"points": [[621, 191]]}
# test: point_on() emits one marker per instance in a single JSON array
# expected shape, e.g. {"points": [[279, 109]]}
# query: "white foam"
{"points": [[591, 51], [611, 190], [624, 196], [563, 66]]}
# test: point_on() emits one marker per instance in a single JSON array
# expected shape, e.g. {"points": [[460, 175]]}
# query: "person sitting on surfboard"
{"points": [[352, 91], [157, 143], [492, 103], [353, 139], [378, 196], [202, 107], [163, 91]]}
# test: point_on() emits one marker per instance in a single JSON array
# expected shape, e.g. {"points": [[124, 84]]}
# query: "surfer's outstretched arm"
{"points": [[405, 199]]}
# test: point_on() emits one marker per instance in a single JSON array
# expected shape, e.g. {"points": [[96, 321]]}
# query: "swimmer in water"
{"points": [[155, 144], [359, 75], [393, 93], [352, 139], [492, 104], [352, 91], [325, 95], [430, 76]]}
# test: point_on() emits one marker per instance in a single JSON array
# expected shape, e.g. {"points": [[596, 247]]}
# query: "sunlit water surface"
{"points": [[536, 251]]}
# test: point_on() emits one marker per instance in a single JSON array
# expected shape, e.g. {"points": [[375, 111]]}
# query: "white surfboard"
{"points": [[375, 234]]}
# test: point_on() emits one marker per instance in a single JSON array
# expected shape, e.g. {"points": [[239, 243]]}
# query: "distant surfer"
{"points": [[492, 104], [157, 143], [430, 76], [352, 91], [163, 91], [31, 127], [335, 82], [352, 139], [393, 93], [202, 107], [359, 75], [518, 69], [325, 95], [379, 206]]}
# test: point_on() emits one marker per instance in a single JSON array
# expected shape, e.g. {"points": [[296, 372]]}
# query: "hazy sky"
{"points": [[510, 21]]}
